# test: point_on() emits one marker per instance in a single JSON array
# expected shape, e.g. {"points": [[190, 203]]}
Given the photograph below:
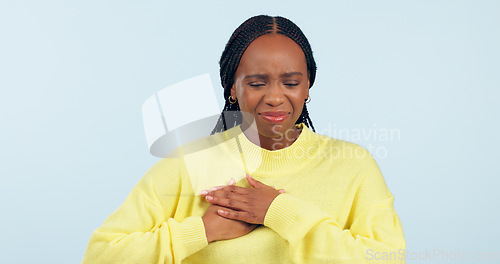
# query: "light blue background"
{"points": [[74, 75]]}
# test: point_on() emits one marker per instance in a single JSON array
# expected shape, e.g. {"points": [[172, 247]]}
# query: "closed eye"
{"points": [[256, 85]]}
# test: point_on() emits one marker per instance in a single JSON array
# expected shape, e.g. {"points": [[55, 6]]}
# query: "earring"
{"points": [[308, 99], [229, 99]]}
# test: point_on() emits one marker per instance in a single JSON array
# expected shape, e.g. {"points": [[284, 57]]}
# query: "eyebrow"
{"points": [[263, 75]]}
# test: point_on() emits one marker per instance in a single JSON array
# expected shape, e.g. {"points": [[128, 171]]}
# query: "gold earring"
{"points": [[308, 99], [229, 99]]}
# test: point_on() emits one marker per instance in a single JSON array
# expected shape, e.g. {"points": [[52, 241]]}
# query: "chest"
{"points": [[262, 245]]}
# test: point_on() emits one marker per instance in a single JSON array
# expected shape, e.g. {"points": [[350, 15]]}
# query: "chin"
{"points": [[274, 130]]}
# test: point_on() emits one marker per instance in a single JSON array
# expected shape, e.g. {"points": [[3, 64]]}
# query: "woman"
{"points": [[298, 197]]}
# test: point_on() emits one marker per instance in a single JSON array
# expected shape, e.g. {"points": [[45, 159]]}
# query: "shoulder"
{"points": [[357, 161], [192, 163], [167, 168], [199, 145], [339, 149]]}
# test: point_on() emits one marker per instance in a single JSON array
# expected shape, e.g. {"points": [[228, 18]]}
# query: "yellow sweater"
{"points": [[336, 209]]}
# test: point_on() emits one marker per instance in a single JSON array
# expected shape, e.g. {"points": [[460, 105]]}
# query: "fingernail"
{"points": [[210, 198], [249, 176], [232, 181], [222, 212], [213, 189], [203, 192]]}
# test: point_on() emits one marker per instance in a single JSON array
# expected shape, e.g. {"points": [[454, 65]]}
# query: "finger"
{"points": [[228, 203], [282, 190], [253, 182], [238, 215], [215, 188], [221, 192], [206, 192], [230, 200]]}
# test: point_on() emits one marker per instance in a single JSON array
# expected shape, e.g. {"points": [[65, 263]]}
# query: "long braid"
{"points": [[304, 118], [241, 38], [230, 114]]}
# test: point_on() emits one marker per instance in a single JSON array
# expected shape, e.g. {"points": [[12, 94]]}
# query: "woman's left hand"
{"points": [[245, 204]]}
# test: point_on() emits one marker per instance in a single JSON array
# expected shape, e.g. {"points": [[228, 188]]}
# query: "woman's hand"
{"points": [[220, 228], [245, 204]]}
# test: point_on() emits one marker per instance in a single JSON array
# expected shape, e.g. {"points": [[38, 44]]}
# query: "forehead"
{"points": [[273, 52]]}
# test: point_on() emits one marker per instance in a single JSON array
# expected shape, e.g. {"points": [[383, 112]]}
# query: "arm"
{"points": [[375, 235], [142, 229], [315, 237]]}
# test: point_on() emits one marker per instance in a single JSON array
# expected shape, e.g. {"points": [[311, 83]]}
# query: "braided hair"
{"points": [[241, 38]]}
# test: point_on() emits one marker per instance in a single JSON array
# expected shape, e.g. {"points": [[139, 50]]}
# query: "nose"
{"points": [[274, 95]]}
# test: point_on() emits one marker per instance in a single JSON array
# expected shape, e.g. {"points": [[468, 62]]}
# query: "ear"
{"points": [[233, 91], [307, 92]]}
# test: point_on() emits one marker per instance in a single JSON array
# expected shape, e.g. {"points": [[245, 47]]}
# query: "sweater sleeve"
{"points": [[375, 236], [143, 230]]}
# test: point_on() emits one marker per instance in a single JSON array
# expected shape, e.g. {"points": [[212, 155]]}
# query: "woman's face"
{"points": [[271, 84]]}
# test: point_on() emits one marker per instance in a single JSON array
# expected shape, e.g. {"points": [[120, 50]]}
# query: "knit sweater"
{"points": [[336, 209]]}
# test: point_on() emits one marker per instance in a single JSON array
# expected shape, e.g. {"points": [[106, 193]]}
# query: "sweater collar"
{"points": [[266, 163]]}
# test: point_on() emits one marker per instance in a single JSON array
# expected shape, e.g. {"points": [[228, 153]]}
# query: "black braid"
{"points": [[304, 118], [241, 38]]}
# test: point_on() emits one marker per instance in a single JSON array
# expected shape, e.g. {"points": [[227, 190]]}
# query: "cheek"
{"points": [[298, 109], [299, 100], [248, 100], [299, 96]]}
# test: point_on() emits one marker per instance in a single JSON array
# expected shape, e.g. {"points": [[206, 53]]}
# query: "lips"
{"points": [[275, 116], [277, 113]]}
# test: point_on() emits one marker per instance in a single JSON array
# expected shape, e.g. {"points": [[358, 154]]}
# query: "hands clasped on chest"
{"points": [[236, 211]]}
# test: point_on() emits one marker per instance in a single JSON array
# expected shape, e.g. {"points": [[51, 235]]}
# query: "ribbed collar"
{"points": [[266, 163]]}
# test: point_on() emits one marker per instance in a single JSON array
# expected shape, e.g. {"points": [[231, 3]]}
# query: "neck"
{"points": [[275, 142], [259, 161]]}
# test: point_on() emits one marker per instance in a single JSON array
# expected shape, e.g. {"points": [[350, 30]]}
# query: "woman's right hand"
{"points": [[220, 228]]}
